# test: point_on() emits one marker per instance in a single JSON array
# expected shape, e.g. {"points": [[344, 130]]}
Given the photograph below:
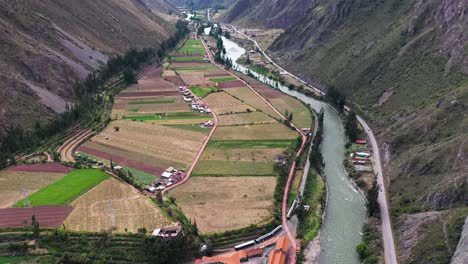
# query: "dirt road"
{"points": [[67, 149]]}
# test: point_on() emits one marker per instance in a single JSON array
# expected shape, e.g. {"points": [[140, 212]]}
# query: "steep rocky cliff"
{"points": [[47, 45], [403, 65]]}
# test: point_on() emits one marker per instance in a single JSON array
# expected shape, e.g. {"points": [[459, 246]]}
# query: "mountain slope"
{"points": [[47, 45], [404, 65]]}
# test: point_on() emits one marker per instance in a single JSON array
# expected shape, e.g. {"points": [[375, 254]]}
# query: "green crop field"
{"points": [[195, 68], [246, 144], [66, 189], [187, 58], [192, 42], [203, 91], [223, 79], [191, 50], [141, 176], [152, 101], [233, 168]]}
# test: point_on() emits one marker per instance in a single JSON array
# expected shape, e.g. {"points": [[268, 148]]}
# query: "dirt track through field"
{"points": [[67, 149]]}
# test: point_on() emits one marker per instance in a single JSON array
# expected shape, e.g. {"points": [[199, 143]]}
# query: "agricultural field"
{"points": [[251, 132], [221, 168], [223, 79], [226, 203], [191, 58], [203, 91], [301, 114], [192, 47], [251, 118], [223, 103], [161, 142], [114, 204], [16, 185], [66, 189], [247, 96]]}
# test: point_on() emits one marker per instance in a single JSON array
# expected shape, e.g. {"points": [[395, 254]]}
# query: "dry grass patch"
{"points": [[153, 140], [195, 78], [302, 116], [15, 185], [114, 204], [247, 132], [245, 118], [260, 155], [223, 103], [249, 97], [167, 73], [146, 159], [225, 203]]}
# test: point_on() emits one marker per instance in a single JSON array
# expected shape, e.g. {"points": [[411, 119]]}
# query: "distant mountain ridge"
{"points": [[47, 45]]}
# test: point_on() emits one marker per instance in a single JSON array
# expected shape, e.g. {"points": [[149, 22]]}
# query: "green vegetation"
{"points": [[141, 176], [175, 59], [133, 110], [66, 189], [163, 100], [247, 144], [233, 168], [351, 127], [223, 79], [203, 91], [310, 221], [65, 247], [192, 42], [260, 69]]}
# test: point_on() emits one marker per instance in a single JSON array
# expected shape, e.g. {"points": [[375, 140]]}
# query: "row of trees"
{"points": [[315, 157], [90, 99]]}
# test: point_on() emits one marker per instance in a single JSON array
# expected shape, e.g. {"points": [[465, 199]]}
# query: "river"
{"points": [[346, 209]]}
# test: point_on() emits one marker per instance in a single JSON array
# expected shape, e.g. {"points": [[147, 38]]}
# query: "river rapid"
{"points": [[346, 209]]}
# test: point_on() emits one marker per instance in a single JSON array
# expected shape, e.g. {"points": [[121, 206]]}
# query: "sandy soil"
{"points": [[245, 118], [260, 155], [249, 97]]}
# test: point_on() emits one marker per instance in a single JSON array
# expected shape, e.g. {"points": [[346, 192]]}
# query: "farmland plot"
{"points": [[246, 95], [16, 185], [242, 154], [114, 204], [245, 119], [223, 103], [66, 189], [163, 142], [225, 203], [220, 168], [249, 132], [301, 114]]}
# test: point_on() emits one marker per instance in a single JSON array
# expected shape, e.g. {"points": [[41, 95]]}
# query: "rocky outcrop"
{"points": [[461, 254]]}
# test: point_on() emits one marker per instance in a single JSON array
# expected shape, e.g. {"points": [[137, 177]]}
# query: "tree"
{"points": [[336, 97], [142, 231], [362, 250], [351, 127], [372, 199], [227, 34], [247, 61], [129, 76], [35, 226], [291, 86]]}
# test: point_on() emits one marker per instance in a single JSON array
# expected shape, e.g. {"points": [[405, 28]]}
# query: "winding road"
{"points": [[387, 233]]}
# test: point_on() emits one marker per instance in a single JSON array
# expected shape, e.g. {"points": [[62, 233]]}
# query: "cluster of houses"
{"points": [[360, 159], [169, 177]]}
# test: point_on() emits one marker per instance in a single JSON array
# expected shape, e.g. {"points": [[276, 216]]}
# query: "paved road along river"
{"points": [[346, 210]]}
